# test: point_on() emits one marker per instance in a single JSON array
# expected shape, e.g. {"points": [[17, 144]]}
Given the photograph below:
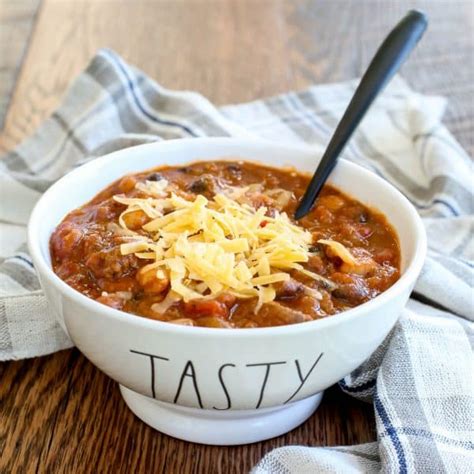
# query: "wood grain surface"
{"points": [[59, 413], [16, 24]]}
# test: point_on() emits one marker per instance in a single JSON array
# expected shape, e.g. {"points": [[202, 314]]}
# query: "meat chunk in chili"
{"points": [[206, 185]]}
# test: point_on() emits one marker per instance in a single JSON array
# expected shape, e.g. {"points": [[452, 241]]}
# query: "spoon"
{"points": [[386, 62]]}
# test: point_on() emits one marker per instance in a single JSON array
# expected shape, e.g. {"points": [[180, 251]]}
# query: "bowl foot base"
{"points": [[222, 428]]}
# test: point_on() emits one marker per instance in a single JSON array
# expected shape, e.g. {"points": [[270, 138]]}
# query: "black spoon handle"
{"points": [[386, 62]]}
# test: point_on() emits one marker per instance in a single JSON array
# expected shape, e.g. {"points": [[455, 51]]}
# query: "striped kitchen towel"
{"points": [[420, 380]]}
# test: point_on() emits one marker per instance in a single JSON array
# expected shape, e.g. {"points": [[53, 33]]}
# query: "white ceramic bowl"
{"points": [[223, 386]]}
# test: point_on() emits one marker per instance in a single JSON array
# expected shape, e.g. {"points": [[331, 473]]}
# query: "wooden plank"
{"points": [[16, 23], [237, 51], [60, 414], [205, 46], [337, 39]]}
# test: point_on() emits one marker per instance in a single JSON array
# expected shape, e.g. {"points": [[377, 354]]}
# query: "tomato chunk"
{"points": [[65, 239], [198, 308]]}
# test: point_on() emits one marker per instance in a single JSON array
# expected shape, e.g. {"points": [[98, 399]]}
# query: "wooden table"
{"points": [[59, 413]]}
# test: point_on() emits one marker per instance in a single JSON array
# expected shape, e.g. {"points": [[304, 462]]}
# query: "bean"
{"points": [[135, 220], [127, 184], [155, 177], [148, 279]]}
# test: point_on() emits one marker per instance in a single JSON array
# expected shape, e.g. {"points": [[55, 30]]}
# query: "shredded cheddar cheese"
{"points": [[206, 247], [339, 250]]}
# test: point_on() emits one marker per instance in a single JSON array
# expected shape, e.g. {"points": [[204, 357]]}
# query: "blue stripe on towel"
{"points": [[131, 86], [360, 388], [392, 433], [439, 438], [23, 259]]}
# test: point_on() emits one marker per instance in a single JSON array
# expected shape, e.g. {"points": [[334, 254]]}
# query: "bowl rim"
{"points": [[408, 277]]}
